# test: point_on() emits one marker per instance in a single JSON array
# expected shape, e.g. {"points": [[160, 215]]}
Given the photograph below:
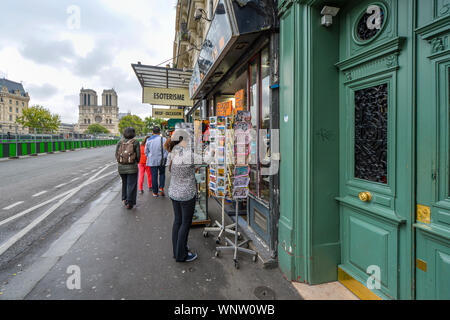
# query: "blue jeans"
{"points": [[162, 178]]}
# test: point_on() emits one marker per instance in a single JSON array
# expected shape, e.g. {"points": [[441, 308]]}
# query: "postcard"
{"points": [[241, 171], [221, 182], [221, 121], [241, 126], [240, 192], [241, 181], [221, 171], [221, 192]]}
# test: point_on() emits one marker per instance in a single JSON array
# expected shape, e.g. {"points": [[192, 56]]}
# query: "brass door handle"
{"points": [[365, 196]]}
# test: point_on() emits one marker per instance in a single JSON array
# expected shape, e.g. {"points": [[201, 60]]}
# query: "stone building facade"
{"points": [[105, 114], [13, 99], [189, 33]]}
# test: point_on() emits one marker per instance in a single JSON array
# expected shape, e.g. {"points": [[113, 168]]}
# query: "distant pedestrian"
{"points": [[183, 193], [144, 169], [157, 160], [128, 156]]}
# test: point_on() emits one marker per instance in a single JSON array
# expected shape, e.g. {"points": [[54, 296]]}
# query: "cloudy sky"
{"points": [[45, 46]]}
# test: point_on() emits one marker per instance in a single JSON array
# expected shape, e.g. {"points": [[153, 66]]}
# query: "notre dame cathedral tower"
{"points": [[106, 114]]}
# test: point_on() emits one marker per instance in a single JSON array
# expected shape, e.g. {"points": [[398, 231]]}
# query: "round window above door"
{"points": [[98, 119], [370, 23]]}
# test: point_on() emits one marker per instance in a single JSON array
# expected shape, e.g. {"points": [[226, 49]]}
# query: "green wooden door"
{"points": [[376, 146], [432, 227]]}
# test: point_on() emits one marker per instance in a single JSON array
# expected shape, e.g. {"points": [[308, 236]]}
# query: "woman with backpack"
{"points": [[144, 169], [128, 155]]}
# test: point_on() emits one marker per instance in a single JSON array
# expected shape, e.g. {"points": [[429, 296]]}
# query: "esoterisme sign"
{"points": [[167, 97]]}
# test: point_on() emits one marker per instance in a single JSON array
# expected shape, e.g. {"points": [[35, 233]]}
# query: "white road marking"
{"points": [[39, 194], [61, 185], [86, 174], [11, 241], [13, 205], [18, 215], [74, 179]]}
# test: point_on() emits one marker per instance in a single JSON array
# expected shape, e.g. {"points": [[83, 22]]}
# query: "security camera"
{"points": [[328, 14]]}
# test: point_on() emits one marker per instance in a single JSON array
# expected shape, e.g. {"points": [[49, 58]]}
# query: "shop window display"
{"points": [[253, 108]]}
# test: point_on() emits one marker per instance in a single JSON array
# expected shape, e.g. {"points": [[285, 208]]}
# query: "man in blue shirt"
{"points": [[156, 160]]}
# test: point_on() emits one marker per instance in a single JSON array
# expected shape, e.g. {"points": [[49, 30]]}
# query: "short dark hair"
{"points": [[129, 133], [156, 130]]}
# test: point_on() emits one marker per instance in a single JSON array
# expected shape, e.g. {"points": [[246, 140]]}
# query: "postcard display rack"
{"points": [[229, 175]]}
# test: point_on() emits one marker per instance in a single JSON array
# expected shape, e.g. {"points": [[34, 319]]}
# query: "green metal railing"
{"points": [[15, 148]]}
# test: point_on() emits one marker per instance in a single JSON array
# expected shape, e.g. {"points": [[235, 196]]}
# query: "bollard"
{"points": [[34, 154]]}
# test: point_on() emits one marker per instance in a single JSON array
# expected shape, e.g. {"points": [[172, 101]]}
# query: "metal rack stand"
{"points": [[236, 246], [221, 227]]}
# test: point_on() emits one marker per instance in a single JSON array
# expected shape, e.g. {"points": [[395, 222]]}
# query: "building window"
{"points": [[84, 99], [23, 104], [17, 103], [253, 108], [17, 110], [10, 109], [89, 99], [258, 101], [85, 121], [10, 101], [10, 117]]}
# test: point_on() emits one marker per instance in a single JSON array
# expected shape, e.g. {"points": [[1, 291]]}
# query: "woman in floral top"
{"points": [[182, 191]]}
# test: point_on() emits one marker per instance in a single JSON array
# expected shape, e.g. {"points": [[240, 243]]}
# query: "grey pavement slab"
{"points": [[127, 254]]}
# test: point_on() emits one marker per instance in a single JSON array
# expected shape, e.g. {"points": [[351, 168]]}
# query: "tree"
{"points": [[132, 121], [39, 118], [152, 122], [96, 129]]}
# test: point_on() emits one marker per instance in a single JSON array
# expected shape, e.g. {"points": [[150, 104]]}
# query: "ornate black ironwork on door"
{"points": [[371, 133]]}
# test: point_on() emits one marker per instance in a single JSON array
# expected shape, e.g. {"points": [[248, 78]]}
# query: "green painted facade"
{"points": [[323, 223]]}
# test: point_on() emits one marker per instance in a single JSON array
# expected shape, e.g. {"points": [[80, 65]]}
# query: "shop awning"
{"points": [[160, 77], [235, 27], [164, 86]]}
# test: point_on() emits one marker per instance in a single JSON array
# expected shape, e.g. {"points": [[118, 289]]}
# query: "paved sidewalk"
{"points": [[126, 254]]}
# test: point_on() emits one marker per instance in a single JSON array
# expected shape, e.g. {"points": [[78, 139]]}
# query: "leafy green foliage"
{"points": [[152, 122], [39, 118], [96, 129], [132, 121]]}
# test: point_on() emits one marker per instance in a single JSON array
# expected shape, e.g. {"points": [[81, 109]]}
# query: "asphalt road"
{"points": [[64, 210], [39, 194]]}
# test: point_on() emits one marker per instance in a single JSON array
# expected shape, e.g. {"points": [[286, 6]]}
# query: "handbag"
{"points": [[163, 160]]}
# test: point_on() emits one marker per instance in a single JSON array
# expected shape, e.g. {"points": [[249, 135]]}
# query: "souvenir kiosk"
{"points": [[238, 65]]}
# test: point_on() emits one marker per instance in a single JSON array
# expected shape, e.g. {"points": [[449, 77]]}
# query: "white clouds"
{"points": [[54, 62]]}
